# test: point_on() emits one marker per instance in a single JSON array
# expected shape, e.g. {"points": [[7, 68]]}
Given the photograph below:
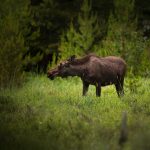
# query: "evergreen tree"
{"points": [[89, 29], [12, 45], [82, 38], [123, 37], [46, 23], [120, 25], [68, 45], [37, 38]]}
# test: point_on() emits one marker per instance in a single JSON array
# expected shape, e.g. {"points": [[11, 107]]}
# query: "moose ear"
{"points": [[72, 58], [60, 65]]}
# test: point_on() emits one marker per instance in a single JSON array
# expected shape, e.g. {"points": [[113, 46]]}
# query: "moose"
{"points": [[93, 70]]}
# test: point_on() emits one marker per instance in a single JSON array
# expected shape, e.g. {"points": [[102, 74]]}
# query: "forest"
{"points": [[38, 113]]}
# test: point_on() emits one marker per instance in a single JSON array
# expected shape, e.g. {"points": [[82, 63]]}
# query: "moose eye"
{"points": [[62, 66]]}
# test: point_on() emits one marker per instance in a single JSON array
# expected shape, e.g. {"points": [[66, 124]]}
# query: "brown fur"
{"points": [[98, 71], [82, 60]]}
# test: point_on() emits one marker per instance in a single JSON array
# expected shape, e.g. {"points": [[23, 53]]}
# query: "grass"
{"points": [[45, 114]]}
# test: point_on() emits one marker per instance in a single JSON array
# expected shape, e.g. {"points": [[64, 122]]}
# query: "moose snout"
{"points": [[50, 76]]}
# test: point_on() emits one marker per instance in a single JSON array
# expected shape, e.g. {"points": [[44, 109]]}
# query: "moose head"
{"points": [[62, 69]]}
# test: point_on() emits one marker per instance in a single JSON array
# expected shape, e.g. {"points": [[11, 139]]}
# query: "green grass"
{"points": [[45, 114]]}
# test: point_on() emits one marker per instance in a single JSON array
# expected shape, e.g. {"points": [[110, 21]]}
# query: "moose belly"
{"points": [[107, 83], [103, 81]]}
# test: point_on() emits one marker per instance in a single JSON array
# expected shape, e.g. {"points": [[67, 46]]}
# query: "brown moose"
{"points": [[98, 71]]}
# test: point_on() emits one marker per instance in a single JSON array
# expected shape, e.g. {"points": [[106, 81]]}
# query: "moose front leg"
{"points": [[85, 88], [98, 89]]}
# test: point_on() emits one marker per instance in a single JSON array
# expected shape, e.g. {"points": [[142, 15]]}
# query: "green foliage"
{"points": [[33, 31], [42, 36], [121, 26], [68, 45], [133, 83], [12, 45], [89, 28], [145, 62], [46, 114], [81, 39], [123, 39]]}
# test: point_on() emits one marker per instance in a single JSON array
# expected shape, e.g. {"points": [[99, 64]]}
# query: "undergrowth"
{"points": [[46, 114]]}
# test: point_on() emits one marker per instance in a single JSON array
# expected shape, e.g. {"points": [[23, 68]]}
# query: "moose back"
{"points": [[94, 70]]}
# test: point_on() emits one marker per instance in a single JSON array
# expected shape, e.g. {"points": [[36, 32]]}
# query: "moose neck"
{"points": [[77, 70]]}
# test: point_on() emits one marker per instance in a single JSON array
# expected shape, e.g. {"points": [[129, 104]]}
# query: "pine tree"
{"points": [[123, 38], [120, 25], [81, 39], [68, 45], [42, 39], [12, 45], [89, 28]]}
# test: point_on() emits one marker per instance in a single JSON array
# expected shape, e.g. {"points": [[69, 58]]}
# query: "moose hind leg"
{"points": [[122, 89], [119, 88]]}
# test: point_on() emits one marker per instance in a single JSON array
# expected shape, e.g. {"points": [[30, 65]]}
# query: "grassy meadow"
{"points": [[49, 115]]}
